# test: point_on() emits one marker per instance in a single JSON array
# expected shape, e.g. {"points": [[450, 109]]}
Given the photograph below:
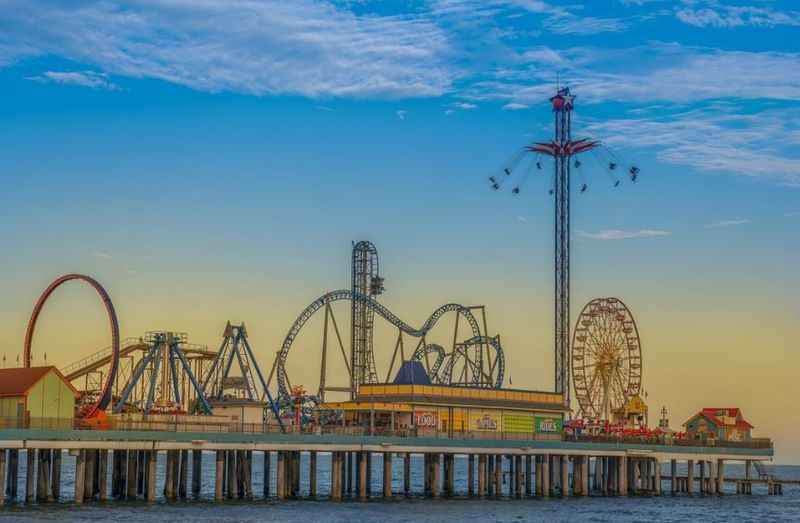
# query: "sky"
{"points": [[213, 160]]}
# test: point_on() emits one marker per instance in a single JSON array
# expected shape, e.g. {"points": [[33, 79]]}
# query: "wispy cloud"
{"points": [[558, 19], [401, 114], [513, 106], [668, 72], [466, 106], [583, 25], [737, 16], [791, 214], [91, 79], [305, 47], [102, 255], [617, 234], [714, 140], [728, 223]]}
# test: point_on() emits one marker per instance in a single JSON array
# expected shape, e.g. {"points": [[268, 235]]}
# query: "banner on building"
{"points": [[426, 419], [518, 423], [548, 425], [484, 421]]}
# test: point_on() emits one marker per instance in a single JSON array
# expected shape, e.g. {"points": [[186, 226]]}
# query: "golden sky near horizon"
{"points": [[713, 350]]}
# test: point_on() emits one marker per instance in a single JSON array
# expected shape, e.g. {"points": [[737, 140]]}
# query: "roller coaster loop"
{"points": [[105, 396]]}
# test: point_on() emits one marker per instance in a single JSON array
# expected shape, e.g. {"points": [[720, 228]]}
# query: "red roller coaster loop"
{"points": [[105, 397]]}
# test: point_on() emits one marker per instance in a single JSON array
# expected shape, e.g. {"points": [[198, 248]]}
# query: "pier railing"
{"points": [[755, 443], [192, 424]]}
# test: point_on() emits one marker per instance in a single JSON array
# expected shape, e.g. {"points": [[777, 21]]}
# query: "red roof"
{"points": [[713, 414], [18, 381]]}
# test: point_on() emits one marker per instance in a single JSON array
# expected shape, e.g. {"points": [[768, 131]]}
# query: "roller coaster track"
{"points": [[421, 355], [104, 398], [381, 310], [478, 373]]}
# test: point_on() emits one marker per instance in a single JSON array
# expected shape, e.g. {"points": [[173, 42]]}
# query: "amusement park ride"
{"points": [[606, 353], [476, 361], [161, 373]]}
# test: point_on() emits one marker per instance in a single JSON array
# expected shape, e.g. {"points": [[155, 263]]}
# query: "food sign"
{"points": [[426, 419]]}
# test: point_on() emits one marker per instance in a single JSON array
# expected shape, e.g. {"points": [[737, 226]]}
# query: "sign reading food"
{"points": [[425, 419], [548, 425]]}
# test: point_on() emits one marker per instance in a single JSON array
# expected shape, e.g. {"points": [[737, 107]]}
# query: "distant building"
{"points": [[725, 424], [240, 411], [36, 392]]}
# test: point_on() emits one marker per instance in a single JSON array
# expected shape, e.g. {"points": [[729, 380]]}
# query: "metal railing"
{"points": [[755, 443], [97, 356], [181, 423]]}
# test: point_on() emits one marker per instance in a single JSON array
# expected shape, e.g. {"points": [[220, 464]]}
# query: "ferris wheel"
{"points": [[606, 358]]}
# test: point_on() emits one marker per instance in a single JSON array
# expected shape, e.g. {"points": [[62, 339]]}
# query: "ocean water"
{"points": [[731, 507]]}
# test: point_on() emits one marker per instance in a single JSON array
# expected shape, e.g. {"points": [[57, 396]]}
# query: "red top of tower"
{"points": [[562, 100]]}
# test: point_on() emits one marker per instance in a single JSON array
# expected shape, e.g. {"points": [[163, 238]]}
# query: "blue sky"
{"points": [[214, 159]]}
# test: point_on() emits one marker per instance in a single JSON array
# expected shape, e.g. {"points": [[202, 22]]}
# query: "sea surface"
{"points": [[731, 507]]}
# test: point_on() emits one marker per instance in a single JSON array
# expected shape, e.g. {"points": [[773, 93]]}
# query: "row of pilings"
{"points": [[133, 475]]}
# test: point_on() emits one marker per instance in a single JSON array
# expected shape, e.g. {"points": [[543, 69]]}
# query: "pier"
{"points": [[122, 465]]}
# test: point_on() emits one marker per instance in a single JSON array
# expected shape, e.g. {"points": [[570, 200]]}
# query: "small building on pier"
{"points": [[240, 410], [431, 409], [36, 393], [725, 424]]}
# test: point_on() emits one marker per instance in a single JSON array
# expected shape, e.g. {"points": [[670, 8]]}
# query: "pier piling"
{"points": [[130, 480], [183, 475], [102, 475], [387, 475], [436, 480], [312, 474], [407, 474], [152, 463], [41, 476], [545, 477], [30, 467], [528, 476], [80, 469], [2, 476], [362, 476], [55, 475], [267, 472], [197, 471], [471, 475], [482, 475], [219, 476]]}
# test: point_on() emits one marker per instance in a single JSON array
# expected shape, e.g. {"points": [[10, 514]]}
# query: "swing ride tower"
{"points": [[562, 148]]}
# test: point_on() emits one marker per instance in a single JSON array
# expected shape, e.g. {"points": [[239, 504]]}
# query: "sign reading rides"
{"points": [[547, 425]]}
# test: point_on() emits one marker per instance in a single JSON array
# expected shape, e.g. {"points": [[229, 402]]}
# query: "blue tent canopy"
{"points": [[412, 373]]}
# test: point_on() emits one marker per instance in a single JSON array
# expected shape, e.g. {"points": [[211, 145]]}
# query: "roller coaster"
{"points": [[477, 361], [162, 372]]}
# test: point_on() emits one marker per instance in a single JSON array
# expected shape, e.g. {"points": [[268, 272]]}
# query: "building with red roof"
{"points": [[722, 423], [36, 392]]}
